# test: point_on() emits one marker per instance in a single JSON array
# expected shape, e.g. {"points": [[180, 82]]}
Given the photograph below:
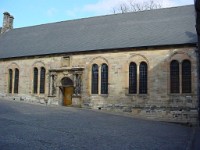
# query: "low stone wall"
{"points": [[169, 114], [26, 98], [186, 115]]}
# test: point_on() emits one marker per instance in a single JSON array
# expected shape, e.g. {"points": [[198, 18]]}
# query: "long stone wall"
{"points": [[158, 103]]}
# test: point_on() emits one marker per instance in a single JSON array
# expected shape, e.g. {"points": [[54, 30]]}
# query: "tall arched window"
{"points": [[174, 77], [104, 79], [10, 81], [42, 80], [186, 76], [143, 78], [16, 83], [132, 78], [95, 75], [35, 80]]}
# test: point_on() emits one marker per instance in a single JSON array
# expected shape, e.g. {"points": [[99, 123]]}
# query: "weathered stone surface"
{"points": [[158, 103]]}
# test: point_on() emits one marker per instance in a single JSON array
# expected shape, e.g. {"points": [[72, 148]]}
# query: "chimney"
{"points": [[7, 22]]}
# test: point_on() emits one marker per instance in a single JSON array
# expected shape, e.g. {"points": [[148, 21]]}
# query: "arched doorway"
{"points": [[68, 90]]}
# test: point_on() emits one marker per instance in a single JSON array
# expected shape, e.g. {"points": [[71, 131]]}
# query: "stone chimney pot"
{"points": [[7, 22]]}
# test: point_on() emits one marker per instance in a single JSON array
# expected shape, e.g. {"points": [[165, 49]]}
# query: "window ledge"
{"points": [[137, 94], [94, 95], [104, 95], [181, 94], [131, 94]]}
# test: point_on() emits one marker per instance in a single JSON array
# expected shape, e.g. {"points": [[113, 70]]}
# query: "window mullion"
{"points": [[13, 80], [99, 81], [138, 78], [180, 77], [38, 85]]}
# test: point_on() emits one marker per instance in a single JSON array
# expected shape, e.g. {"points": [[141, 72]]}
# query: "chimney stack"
{"points": [[7, 22]]}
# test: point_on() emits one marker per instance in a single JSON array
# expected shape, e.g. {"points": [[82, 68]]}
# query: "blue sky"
{"points": [[35, 12]]}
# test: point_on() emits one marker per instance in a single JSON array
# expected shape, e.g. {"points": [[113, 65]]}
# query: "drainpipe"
{"points": [[197, 8]]}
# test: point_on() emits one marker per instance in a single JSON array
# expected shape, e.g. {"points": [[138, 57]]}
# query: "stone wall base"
{"points": [[184, 115], [188, 116]]}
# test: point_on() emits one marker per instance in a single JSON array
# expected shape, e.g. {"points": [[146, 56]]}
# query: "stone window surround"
{"points": [[39, 65], [13, 67], [137, 59], [180, 78], [180, 57], [99, 61]]}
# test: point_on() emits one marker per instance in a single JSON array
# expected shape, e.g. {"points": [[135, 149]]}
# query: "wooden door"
{"points": [[67, 97]]}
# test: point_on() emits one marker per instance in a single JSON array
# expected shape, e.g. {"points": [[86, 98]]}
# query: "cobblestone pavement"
{"points": [[28, 126]]}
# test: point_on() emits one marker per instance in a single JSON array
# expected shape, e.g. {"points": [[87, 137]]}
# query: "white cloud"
{"points": [[72, 13], [102, 6], [183, 2], [51, 12]]}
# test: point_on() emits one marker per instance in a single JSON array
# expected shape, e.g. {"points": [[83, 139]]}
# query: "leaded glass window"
{"points": [[104, 79], [10, 81], [174, 77], [143, 78], [132, 78], [42, 80], [16, 83], [35, 80], [95, 75], [186, 76]]}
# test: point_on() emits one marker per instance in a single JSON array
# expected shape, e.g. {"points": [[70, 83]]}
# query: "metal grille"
{"points": [[95, 74], [42, 80], [132, 78], [16, 85], [35, 81], [174, 77], [186, 76], [104, 79], [143, 78], [10, 80]]}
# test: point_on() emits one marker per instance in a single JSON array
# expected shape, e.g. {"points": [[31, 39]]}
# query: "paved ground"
{"points": [[196, 141], [28, 126]]}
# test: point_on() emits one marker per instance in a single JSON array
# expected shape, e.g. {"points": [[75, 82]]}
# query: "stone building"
{"points": [[143, 63]]}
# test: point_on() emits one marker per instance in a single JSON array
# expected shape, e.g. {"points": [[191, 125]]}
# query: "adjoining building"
{"points": [[143, 63]]}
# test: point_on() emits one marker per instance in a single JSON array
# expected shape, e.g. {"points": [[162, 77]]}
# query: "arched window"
{"points": [[186, 76], [42, 80], [35, 80], [143, 78], [16, 83], [95, 75], [174, 77], [104, 79], [132, 78], [10, 81]]}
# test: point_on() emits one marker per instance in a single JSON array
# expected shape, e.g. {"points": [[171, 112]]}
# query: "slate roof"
{"points": [[168, 26]]}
